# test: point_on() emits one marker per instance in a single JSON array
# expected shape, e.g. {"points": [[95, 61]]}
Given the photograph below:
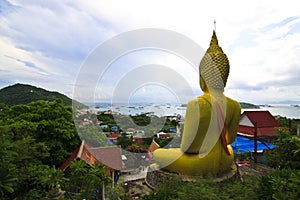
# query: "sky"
{"points": [[49, 43]]}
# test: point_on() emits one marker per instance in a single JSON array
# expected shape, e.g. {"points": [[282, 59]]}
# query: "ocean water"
{"points": [[284, 110], [140, 108]]}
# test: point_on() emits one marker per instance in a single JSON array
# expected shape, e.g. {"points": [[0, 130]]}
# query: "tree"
{"points": [[124, 141], [33, 138], [93, 136], [7, 180], [7, 168], [48, 123], [288, 123], [86, 181], [136, 149], [287, 153]]}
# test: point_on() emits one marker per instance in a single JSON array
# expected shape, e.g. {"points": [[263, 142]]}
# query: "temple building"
{"points": [[109, 156], [265, 122]]}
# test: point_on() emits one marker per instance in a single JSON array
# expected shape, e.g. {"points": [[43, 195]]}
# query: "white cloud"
{"points": [[46, 42]]}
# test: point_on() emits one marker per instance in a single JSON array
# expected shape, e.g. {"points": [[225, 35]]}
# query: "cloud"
{"points": [[29, 64], [68, 34], [46, 42]]}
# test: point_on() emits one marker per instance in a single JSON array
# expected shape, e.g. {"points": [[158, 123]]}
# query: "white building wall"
{"points": [[245, 121]]}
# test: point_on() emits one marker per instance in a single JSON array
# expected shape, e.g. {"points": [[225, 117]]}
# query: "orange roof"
{"points": [[109, 156], [70, 159], [153, 146]]}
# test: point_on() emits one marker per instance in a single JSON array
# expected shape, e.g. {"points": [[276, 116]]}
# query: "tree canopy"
{"points": [[34, 138]]}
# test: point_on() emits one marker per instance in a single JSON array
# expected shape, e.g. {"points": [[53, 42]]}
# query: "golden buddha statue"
{"points": [[211, 123]]}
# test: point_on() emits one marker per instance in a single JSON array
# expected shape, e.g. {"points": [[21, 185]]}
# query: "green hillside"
{"points": [[248, 105], [24, 94]]}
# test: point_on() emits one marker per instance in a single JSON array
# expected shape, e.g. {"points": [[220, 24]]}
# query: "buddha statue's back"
{"points": [[211, 123]]}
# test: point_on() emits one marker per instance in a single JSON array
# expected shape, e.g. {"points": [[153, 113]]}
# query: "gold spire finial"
{"points": [[215, 28], [214, 66]]}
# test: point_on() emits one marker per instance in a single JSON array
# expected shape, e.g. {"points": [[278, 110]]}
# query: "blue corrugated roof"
{"points": [[243, 144]]}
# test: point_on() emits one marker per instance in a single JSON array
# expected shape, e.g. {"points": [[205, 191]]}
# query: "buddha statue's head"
{"points": [[214, 67]]}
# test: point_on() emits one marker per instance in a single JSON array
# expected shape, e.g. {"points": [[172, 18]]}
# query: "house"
{"points": [[109, 156], [114, 128], [264, 121], [162, 135], [113, 137], [130, 131], [104, 126], [108, 112]]}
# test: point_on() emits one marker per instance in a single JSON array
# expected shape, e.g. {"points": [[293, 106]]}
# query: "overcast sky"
{"points": [[45, 43]]}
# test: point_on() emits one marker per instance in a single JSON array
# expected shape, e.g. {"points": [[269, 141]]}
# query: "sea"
{"points": [[158, 109]]}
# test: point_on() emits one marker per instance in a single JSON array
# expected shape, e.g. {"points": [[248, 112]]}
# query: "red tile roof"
{"points": [[265, 123], [114, 136], [109, 156], [262, 118], [249, 131]]}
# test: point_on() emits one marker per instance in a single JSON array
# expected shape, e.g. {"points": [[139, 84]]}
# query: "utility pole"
{"points": [[255, 143]]}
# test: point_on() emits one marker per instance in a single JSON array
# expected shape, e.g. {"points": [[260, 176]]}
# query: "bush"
{"points": [[282, 184], [287, 154]]}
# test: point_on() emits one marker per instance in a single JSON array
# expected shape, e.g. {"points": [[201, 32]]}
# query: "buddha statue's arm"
{"points": [[191, 124], [234, 123]]}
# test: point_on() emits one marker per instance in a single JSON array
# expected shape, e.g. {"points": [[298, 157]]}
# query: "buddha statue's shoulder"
{"points": [[233, 106], [200, 101], [232, 102]]}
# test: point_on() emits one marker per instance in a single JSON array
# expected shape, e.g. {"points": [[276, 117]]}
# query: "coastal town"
{"points": [[128, 151]]}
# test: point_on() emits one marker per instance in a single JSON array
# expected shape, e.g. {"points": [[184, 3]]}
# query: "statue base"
{"points": [[156, 176]]}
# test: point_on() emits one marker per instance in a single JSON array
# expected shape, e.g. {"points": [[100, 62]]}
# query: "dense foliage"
{"points": [[289, 124], [86, 182], [46, 124], [176, 188], [282, 184], [34, 138], [287, 154], [123, 141]]}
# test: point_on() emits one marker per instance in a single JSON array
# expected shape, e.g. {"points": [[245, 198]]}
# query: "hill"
{"points": [[24, 94], [248, 105]]}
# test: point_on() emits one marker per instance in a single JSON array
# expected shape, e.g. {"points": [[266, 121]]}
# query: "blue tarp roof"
{"points": [[243, 144]]}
